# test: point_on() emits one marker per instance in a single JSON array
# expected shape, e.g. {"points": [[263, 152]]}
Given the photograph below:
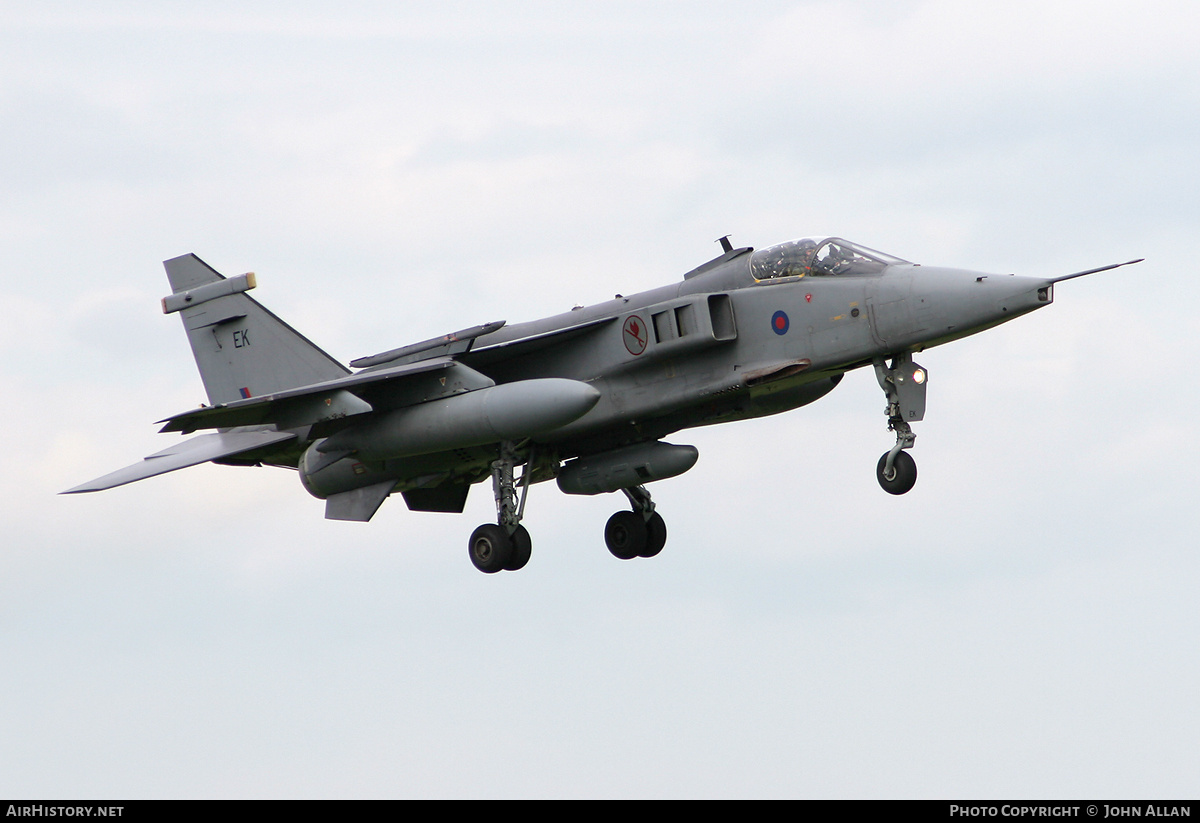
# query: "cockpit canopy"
{"points": [[823, 256]]}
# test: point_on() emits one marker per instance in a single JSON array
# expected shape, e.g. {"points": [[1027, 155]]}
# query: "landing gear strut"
{"points": [[505, 545], [904, 384], [638, 533]]}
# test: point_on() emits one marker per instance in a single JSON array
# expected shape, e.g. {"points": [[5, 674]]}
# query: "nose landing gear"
{"points": [[904, 383]]}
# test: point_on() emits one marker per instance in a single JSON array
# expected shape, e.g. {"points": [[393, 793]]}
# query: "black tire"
{"points": [[522, 548], [904, 473], [656, 536], [490, 548], [625, 535]]}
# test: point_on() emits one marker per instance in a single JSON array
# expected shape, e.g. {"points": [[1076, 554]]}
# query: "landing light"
{"points": [[919, 376]]}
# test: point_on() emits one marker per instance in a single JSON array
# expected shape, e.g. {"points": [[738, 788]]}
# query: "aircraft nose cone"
{"points": [[1019, 295], [953, 303]]}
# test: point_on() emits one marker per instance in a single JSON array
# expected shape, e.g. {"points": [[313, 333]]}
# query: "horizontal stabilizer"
{"points": [[320, 401], [191, 452]]}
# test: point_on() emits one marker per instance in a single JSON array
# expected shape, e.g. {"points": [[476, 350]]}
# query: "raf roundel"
{"points": [[780, 322]]}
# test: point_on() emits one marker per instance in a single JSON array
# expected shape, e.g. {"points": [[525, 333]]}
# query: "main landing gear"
{"points": [[904, 383], [505, 545], [638, 533]]}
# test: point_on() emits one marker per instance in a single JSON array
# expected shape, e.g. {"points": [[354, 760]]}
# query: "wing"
{"points": [[496, 352], [191, 452]]}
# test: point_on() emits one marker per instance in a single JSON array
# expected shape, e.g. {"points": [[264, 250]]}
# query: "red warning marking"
{"points": [[808, 298], [633, 333]]}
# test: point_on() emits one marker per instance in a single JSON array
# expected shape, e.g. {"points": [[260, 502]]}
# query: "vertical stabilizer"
{"points": [[241, 349]]}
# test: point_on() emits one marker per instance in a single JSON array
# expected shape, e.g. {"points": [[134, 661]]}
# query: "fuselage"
{"points": [[748, 334], [724, 344]]}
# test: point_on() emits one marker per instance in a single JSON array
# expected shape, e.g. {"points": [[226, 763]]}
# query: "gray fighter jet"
{"points": [[584, 397]]}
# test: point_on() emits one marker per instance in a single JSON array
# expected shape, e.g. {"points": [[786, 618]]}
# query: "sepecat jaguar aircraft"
{"points": [[584, 397]]}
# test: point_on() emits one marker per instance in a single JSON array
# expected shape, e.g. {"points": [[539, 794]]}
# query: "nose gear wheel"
{"points": [[903, 475]]}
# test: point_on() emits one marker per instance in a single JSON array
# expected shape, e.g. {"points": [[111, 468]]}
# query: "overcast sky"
{"points": [[1023, 623]]}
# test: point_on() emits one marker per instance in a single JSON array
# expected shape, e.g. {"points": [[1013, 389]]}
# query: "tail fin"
{"points": [[241, 349]]}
